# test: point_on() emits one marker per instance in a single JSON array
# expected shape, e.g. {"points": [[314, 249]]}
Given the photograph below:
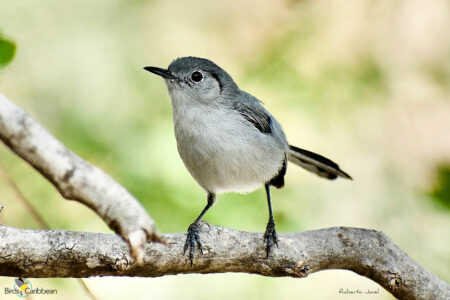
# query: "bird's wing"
{"points": [[254, 113]]}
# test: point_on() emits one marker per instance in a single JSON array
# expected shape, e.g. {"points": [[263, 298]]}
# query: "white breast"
{"points": [[221, 150]]}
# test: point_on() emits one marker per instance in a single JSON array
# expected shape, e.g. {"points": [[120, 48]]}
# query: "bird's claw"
{"points": [[270, 237], [192, 238]]}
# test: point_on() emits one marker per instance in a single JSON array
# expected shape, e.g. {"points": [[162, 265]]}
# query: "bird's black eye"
{"points": [[196, 76]]}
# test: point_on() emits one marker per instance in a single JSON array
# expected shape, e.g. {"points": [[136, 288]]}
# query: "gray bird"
{"points": [[228, 141]]}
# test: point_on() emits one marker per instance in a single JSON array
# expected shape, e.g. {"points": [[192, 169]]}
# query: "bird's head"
{"points": [[196, 80]]}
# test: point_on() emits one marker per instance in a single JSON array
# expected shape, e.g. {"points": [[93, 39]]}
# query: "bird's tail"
{"points": [[316, 163]]}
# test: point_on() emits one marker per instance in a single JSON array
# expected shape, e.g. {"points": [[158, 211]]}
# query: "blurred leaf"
{"points": [[368, 74], [440, 193], [439, 74], [7, 50], [83, 135]]}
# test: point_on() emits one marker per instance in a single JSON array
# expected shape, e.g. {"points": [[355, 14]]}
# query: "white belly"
{"points": [[223, 152]]}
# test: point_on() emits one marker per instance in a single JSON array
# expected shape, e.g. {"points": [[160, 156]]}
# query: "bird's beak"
{"points": [[161, 72]]}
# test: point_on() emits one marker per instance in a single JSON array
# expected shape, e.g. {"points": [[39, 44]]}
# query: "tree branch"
{"points": [[76, 179], [58, 253]]}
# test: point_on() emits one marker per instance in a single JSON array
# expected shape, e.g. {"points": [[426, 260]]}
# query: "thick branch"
{"points": [[57, 253], [74, 178], [30, 253]]}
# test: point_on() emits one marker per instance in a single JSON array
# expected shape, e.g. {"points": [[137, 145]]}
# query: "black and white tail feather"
{"points": [[316, 163]]}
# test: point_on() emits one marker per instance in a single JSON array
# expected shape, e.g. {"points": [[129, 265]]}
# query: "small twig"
{"points": [[86, 289], [28, 206], [36, 217]]}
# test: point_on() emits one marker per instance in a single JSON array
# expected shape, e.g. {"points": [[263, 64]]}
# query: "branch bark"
{"points": [[76, 179], [58, 253]]}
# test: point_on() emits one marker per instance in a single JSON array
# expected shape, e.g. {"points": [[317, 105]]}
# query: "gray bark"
{"points": [[76, 179], [59, 253]]}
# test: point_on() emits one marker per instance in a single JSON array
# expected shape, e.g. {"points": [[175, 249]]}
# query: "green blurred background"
{"points": [[366, 83]]}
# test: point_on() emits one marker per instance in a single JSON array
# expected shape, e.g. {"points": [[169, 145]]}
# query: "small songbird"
{"points": [[228, 141]]}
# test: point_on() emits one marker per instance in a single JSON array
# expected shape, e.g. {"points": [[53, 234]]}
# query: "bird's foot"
{"points": [[270, 236], [192, 238]]}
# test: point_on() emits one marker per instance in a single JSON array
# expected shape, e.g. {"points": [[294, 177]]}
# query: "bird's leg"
{"points": [[192, 234], [270, 236]]}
